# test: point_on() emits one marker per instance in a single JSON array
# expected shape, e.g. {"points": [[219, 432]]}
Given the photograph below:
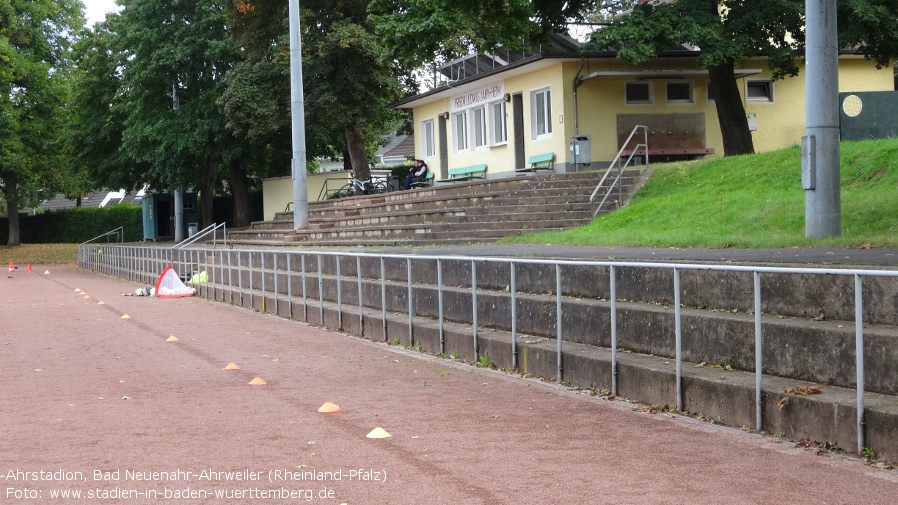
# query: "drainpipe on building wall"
{"points": [[576, 85]]}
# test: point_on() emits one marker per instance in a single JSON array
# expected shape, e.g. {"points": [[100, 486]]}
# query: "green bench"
{"points": [[536, 162], [465, 173], [426, 183]]}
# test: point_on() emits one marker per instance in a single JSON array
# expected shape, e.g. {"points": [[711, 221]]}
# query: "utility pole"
{"points": [[179, 192], [820, 145], [297, 111]]}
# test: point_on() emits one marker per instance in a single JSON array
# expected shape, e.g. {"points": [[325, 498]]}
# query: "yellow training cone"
{"points": [[378, 433], [46, 272], [172, 339], [232, 366], [77, 290], [258, 381], [126, 316], [328, 408]]}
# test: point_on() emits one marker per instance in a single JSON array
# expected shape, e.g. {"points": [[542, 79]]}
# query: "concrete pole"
{"points": [[297, 109], [179, 215], [820, 147], [179, 193]]}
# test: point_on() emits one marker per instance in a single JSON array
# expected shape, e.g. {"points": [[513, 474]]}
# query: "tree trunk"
{"points": [[12, 214], [730, 111], [355, 144], [239, 185], [347, 160], [207, 190]]}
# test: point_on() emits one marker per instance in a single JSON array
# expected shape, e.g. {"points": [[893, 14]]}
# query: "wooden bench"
{"points": [[465, 173], [426, 183], [536, 162]]}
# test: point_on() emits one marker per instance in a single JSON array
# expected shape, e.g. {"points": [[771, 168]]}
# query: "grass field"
{"points": [[752, 201], [39, 254]]}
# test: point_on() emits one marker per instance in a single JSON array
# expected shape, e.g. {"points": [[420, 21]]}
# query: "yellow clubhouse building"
{"points": [[503, 109]]}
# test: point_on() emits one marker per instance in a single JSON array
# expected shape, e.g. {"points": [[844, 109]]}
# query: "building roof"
{"points": [[400, 146], [464, 72], [98, 198]]}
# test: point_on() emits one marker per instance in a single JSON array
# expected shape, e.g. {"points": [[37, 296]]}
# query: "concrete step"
{"points": [[499, 207]]}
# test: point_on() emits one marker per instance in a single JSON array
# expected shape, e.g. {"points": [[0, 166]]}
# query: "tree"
{"points": [[730, 30], [99, 113], [349, 77], [34, 71], [177, 52], [418, 31]]}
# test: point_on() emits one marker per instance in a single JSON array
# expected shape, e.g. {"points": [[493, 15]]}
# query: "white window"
{"points": [[759, 91], [639, 93], [478, 126], [460, 123], [679, 92], [541, 114], [427, 141], [497, 120]]}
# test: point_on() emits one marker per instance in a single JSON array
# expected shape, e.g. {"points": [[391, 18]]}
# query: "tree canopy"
{"points": [[729, 30], [418, 30], [35, 39]]}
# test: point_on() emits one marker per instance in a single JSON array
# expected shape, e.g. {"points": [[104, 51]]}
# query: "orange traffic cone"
{"points": [[11, 267], [29, 267], [329, 408]]}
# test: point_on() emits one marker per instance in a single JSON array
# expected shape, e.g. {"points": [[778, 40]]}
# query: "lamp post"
{"points": [[820, 145], [297, 113]]}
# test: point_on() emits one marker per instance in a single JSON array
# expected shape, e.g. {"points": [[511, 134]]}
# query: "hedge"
{"points": [[77, 224]]}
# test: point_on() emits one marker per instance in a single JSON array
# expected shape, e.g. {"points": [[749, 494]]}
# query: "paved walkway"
{"points": [[86, 394], [811, 257]]}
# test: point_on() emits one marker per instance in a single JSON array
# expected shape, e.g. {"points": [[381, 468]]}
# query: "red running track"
{"points": [[85, 394]]}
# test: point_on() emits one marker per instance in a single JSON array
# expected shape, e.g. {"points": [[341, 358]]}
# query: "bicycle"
{"points": [[357, 187]]}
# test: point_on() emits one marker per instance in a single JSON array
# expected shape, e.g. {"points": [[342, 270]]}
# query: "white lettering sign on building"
{"points": [[480, 96]]}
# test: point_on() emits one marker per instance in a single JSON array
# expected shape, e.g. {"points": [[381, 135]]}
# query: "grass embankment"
{"points": [[39, 254], [752, 201]]}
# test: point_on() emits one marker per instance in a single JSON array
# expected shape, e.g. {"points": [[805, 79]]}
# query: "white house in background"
{"points": [[99, 198]]}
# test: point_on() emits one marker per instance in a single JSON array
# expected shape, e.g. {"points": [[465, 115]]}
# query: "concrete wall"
{"points": [[717, 342], [278, 192]]}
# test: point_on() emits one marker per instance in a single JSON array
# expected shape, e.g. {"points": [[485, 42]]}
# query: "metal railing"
{"points": [[142, 263], [620, 169], [212, 228], [120, 232]]}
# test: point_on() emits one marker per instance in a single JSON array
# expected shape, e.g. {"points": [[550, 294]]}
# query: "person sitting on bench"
{"points": [[418, 173]]}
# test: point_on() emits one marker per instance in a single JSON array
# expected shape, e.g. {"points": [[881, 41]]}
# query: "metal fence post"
{"points": [[358, 274], [859, 356], [474, 307], [320, 293], [679, 339], [262, 269], [513, 291], [289, 285], [612, 288], [339, 293], [411, 311], [558, 333], [440, 304], [759, 365], [383, 299]]}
